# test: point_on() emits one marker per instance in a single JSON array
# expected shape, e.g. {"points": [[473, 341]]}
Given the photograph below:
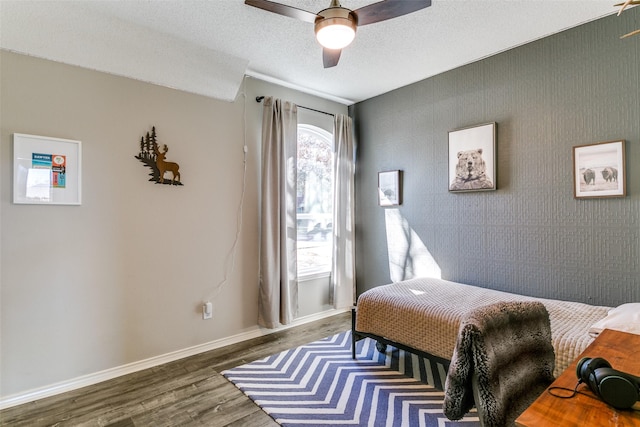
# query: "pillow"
{"points": [[625, 318]]}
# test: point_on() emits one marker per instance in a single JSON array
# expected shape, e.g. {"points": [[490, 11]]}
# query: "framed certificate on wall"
{"points": [[46, 171]]}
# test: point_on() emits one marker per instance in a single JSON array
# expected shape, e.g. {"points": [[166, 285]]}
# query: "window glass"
{"points": [[314, 200]]}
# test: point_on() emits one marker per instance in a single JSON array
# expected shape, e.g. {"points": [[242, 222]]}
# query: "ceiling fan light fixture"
{"points": [[335, 26], [336, 29]]}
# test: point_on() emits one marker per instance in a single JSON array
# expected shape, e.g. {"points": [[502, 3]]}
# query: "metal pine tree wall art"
{"points": [[154, 157]]}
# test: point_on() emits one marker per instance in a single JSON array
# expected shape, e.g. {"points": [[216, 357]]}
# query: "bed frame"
{"points": [[437, 366]]}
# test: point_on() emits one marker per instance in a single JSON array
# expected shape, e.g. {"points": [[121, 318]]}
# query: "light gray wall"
{"points": [[530, 236], [121, 278]]}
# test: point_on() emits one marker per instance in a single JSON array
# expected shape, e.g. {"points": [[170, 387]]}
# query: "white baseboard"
{"points": [[107, 374]]}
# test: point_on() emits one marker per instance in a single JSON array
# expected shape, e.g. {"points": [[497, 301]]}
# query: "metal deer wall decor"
{"points": [[623, 6], [155, 158]]}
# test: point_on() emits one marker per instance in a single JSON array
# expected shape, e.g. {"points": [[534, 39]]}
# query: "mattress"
{"points": [[425, 314]]}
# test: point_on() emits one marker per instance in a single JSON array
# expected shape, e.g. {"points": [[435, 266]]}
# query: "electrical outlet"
{"points": [[207, 310]]}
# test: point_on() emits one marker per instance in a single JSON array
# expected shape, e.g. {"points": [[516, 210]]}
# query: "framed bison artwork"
{"points": [[599, 170], [472, 158]]}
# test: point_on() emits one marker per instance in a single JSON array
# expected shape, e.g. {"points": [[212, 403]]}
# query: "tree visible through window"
{"points": [[314, 200]]}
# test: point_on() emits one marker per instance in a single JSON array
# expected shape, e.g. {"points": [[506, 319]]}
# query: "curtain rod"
{"points": [[260, 98]]}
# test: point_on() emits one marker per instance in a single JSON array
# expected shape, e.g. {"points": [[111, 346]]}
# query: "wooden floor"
{"points": [[187, 392]]}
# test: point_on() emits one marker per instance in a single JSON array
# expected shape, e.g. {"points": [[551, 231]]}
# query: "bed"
{"points": [[423, 316]]}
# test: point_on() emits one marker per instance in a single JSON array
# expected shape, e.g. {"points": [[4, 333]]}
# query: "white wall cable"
{"points": [[232, 252]]}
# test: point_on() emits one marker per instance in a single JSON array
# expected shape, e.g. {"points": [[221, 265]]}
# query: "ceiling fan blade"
{"points": [[330, 57], [388, 9], [283, 9]]}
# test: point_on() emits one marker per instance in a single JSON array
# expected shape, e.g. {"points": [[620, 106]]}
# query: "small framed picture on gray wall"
{"points": [[599, 170], [390, 188], [472, 158]]}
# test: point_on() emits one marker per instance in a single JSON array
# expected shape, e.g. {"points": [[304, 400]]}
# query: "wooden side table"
{"points": [[622, 351]]}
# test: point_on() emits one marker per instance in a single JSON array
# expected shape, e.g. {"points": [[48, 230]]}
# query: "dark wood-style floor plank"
{"points": [[186, 392]]}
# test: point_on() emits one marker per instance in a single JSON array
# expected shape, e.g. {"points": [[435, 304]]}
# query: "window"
{"points": [[314, 200]]}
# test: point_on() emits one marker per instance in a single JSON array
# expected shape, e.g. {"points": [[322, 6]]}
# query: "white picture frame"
{"points": [[474, 146], [599, 170], [46, 171]]}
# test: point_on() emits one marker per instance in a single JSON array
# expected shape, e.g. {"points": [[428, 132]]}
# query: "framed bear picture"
{"points": [[472, 158], [599, 170]]}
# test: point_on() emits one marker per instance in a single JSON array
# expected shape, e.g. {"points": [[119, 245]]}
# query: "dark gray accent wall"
{"points": [[531, 236]]}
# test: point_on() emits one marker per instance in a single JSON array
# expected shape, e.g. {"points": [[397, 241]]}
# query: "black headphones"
{"points": [[618, 389]]}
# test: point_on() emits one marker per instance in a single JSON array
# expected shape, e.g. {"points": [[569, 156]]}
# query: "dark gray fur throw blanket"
{"points": [[507, 346]]}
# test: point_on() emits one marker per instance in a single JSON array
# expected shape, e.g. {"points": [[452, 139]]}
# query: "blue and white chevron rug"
{"points": [[320, 384]]}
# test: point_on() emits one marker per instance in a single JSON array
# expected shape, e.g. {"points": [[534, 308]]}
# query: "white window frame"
{"points": [[325, 270]]}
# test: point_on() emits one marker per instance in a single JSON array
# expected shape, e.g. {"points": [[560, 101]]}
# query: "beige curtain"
{"points": [[343, 290], [278, 296]]}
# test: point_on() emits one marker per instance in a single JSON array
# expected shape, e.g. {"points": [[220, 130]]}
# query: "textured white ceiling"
{"points": [[206, 47]]}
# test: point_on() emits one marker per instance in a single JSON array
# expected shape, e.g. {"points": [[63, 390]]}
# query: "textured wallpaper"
{"points": [[530, 236]]}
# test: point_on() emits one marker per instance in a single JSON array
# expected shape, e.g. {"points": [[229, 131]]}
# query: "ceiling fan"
{"points": [[335, 27]]}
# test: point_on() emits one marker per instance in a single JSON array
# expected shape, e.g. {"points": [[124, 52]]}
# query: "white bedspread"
{"points": [[425, 314]]}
